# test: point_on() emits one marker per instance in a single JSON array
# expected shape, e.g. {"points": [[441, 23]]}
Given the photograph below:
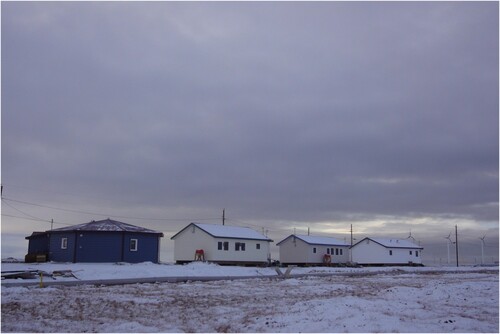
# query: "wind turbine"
{"points": [[482, 249], [448, 245]]}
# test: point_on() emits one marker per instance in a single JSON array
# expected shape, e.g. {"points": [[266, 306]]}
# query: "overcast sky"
{"points": [[289, 115]]}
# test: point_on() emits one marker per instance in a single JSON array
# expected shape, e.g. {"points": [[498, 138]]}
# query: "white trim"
{"points": [[64, 243], [136, 245]]}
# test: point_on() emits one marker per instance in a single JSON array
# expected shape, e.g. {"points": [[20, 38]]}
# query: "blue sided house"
{"points": [[98, 241]]}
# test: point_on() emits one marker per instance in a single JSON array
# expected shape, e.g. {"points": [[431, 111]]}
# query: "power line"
{"points": [[105, 214], [38, 220], [24, 213]]}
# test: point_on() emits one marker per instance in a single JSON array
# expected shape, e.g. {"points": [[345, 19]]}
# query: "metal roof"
{"points": [[392, 243], [106, 225], [317, 240], [225, 231]]}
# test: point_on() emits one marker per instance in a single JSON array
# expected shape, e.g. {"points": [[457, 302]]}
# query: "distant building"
{"points": [[221, 244], [379, 251], [305, 249], [98, 241]]}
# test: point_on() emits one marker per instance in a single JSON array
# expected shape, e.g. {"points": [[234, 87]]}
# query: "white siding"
{"points": [[302, 252], [294, 252], [193, 238], [370, 252]]}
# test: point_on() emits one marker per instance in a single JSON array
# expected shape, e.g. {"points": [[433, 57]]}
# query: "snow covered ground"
{"points": [[401, 299]]}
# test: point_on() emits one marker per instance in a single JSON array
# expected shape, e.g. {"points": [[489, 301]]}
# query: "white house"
{"points": [[221, 244], [305, 249], [378, 251]]}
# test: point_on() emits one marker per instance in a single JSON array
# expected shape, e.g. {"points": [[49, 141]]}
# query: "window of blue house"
{"points": [[314, 250], [133, 245], [390, 252], [64, 243]]}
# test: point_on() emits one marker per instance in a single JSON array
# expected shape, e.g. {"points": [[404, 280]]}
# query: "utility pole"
{"points": [[223, 216], [51, 223], [456, 242], [351, 235], [308, 231]]}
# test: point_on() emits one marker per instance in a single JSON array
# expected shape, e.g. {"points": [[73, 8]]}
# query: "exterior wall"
{"points": [[193, 238], [103, 247], [98, 246], [302, 252], [56, 253], [374, 253], [147, 248], [294, 252], [38, 244]]}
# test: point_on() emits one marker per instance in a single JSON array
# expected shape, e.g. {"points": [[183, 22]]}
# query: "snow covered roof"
{"points": [[107, 225], [225, 231], [393, 243], [315, 240]]}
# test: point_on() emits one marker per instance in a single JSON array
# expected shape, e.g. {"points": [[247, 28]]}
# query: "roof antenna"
{"points": [[223, 216], [410, 237]]}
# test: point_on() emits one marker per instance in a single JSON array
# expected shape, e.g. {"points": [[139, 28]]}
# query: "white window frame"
{"points": [[64, 243], [136, 245]]}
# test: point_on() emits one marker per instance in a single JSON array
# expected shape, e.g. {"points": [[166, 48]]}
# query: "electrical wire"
{"points": [[38, 220], [105, 214], [24, 213]]}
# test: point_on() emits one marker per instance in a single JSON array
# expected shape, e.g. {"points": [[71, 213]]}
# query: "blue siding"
{"points": [[91, 246], [56, 252], [38, 244], [98, 246], [147, 248]]}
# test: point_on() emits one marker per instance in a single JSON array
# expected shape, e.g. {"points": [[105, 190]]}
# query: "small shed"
{"points": [[384, 251], [221, 244], [316, 250], [97, 241]]}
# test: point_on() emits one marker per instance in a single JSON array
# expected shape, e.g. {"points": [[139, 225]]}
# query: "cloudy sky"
{"points": [[288, 115]]}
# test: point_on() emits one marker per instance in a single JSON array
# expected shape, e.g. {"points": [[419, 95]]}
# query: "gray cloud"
{"points": [[279, 111]]}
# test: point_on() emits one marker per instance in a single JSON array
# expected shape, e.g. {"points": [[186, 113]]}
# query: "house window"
{"points": [[219, 245], [416, 253], [226, 245], [411, 253], [341, 251], [133, 245], [390, 252], [64, 243], [314, 250], [336, 251], [328, 251], [257, 246], [239, 246]]}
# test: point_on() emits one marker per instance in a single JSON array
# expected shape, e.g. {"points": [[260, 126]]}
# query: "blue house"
{"points": [[98, 241]]}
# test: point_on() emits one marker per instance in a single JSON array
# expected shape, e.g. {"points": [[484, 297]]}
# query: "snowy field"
{"points": [[349, 300]]}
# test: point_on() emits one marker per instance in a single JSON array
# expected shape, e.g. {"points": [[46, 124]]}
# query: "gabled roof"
{"points": [[229, 232], [314, 240], [392, 243], [106, 225]]}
